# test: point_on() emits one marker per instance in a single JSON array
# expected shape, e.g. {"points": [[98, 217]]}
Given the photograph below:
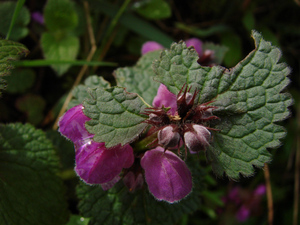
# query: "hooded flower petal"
{"points": [[150, 46], [165, 98], [71, 125], [96, 164], [167, 176], [168, 137], [196, 138], [196, 43]]}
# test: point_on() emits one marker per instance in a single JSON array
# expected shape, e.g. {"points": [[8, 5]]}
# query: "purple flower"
{"points": [[196, 138], [244, 202], [168, 137], [37, 17], [167, 175], [196, 43], [243, 213], [95, 164], [183, 122], [165, 98], [150, 46]]}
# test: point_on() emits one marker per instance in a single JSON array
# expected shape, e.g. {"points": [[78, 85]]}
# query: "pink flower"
{"points": [[95, 164], [165, 98], [38, 17], [150, 46], [196, 43], [183, 122], [167, 175], [245, 202]]}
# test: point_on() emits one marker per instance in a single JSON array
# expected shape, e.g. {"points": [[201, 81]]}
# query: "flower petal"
{"points": [[242, 214], [96, 164], [111, 183], [133, 181], [196, 43], [72, 125], [167, 176], [150, 46], [165, 98]]}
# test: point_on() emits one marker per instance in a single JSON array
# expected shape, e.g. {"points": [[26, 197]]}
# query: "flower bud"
{"points": [[196, 137], [168, 137]]}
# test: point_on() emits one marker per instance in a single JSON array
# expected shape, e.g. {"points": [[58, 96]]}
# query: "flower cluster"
{"points": [[175, 120], [186, 124], [244, 202]]}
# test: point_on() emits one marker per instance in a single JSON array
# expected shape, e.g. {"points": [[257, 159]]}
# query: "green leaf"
{"points": [[19, 29], [139, 78], [115, 115], [153, 9], [248, 99], [30, 191], [33, 106], [9, 51], [60, 15], [56, 47], [80, 92], [20, 80], [118, 206]]}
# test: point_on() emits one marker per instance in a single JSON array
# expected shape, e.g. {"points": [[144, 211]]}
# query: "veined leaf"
{"points": [[30, 191], [139, 78], [115, 115], [248, 97]]}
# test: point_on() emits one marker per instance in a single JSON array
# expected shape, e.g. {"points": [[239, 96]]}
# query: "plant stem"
{"points": [[144, 143], [19, 6], [269, 195], [297, 170]]}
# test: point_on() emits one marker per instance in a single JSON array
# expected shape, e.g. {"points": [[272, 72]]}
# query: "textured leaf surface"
{"points": [[9, 51], [80, 92], [118, 206], [139, 78], [116, 115], [30, 191], [248, 99], [59, 48]]}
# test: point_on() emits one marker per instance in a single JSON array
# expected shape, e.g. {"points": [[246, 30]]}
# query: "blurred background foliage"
{"points": [[58, 35]]}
